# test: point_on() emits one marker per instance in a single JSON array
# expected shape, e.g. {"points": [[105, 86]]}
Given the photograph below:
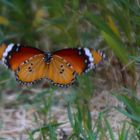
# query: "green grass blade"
{"points": [[111, 38], [110, 130]]}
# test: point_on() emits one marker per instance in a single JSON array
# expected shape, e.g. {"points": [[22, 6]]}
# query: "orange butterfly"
{"points": [[61, 67]]}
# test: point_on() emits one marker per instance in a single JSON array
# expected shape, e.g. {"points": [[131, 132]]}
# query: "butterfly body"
{"points": [[61, 67], [48, 57]]}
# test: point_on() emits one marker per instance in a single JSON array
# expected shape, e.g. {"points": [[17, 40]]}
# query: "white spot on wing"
{"points": [[88, 53], [90, 57], [104, 56], [8, 49], [18, 44]]}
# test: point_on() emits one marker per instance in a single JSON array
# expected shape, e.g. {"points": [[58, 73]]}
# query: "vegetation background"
{"points": [[104, 105]]}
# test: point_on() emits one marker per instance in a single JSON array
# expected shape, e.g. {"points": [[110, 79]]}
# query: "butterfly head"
{"points": [[48, 56]]}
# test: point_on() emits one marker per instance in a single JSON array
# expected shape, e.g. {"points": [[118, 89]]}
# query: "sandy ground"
{"points": [[16, 123]]}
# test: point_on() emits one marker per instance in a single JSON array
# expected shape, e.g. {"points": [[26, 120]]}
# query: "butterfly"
{"points": [[60, 67]]}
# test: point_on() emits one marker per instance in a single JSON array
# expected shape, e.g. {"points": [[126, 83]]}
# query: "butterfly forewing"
{"points": [[74, 57], [82, 59], [57, 70]]}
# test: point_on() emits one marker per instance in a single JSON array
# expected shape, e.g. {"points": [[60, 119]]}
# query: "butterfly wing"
{"points": [[60, 72], [82, 59], [98, 56], [75, 57], [57, 70], [3, 47], [13, 55], [21, 53]]}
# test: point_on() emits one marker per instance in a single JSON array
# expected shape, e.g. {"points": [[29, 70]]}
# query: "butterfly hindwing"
{"points": [[56, 70], [60, 71]]}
